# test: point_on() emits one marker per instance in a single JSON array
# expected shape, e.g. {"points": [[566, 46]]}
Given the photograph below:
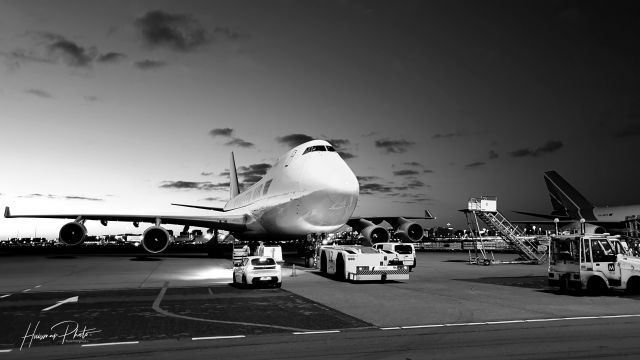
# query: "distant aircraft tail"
{"points": [[565, 199], [233, 179]]}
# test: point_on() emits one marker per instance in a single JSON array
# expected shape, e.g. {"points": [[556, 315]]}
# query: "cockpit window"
{"points": [[330, 148], [314, 148]]}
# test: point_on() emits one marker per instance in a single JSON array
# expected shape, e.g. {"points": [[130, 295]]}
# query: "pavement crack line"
{"points": [[158, 309]]}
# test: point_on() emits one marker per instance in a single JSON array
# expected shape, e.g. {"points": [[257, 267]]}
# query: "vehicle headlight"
{"points": [[362, 268]]}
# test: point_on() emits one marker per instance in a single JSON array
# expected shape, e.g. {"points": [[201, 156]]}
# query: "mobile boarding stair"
{"points": [[485, 208]]}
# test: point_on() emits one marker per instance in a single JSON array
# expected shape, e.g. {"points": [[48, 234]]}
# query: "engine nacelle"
{"points": [[375, 234], [155, 239], [407, 230], [372, 233], [72, 233]]}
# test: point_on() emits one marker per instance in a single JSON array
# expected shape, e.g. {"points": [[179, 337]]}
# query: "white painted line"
{"points": [[37, 286], [6, 351], [316, 332], [69, 300], [582, 318], [547, 320], [504, 322], [422, 326], [4, 296], [113, 343], [26, 290], [391, 328], [466, 324], [217, 337], [618, 316]]}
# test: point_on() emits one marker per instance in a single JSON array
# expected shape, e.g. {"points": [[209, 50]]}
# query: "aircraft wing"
{"points": [[221, 222], [378, 219]]}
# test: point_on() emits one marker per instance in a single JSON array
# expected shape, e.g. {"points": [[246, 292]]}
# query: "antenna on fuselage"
{"points": [[233, 178]]}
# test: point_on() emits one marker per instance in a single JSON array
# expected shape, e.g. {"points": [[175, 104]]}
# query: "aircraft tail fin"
{"points": [[233, 178], [565, 199]]}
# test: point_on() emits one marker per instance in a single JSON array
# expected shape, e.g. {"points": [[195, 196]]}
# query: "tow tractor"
{"points": [[592, 262], [359, 263]]}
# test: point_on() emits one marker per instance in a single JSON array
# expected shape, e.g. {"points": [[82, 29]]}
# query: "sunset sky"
{"points": [[127, 106]]}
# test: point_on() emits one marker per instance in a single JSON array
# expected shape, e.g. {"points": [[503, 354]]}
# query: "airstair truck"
{"points": [[359, 263], [592, 262]]}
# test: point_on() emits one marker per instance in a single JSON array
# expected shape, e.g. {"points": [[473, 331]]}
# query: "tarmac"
{"points": [[131, 303]]}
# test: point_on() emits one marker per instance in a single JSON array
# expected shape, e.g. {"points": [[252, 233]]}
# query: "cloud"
{"points": [[73, 197], [393, 146], [221, 132], [549, 147], [91, 98], [375, 188], [239, 142], [175, 31], [66, 197], [111, 57], [73, 54], [149, 64], [215, 198], [16, 58], [228, 132], [415, 184], [405, 172], [493, 155], [293, 140], [475, 164], [253, 173], [194, 185], [39, 93], [449, 135], [413, 163], [341, 147], [428, 171]]}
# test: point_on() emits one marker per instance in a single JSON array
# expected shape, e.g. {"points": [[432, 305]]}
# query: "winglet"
{"points": [[233, 178], [7, 212]]}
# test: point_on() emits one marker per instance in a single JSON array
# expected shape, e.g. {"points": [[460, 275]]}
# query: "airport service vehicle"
{"points": [[258, 270], [296, 197], [404, 252], [595, 262], [359, 263]]}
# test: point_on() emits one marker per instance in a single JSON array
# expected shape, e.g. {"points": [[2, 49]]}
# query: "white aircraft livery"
{"points": [[569, 206], [309, 190]]}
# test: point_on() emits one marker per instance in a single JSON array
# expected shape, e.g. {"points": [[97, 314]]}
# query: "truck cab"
{"points": [[594, 262]]}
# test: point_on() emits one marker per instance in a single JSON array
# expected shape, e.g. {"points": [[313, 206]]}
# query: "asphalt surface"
{"points": [[115, 306]]}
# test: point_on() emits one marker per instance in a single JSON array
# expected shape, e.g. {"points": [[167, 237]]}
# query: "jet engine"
{"points": [[407, 230], [371, 232], [155, 239], [72, 233]]}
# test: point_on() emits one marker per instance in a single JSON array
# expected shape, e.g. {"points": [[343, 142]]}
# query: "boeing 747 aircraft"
{"points": [[569, 206], [309, 190]]}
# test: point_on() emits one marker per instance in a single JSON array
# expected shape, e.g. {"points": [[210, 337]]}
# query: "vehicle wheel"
{"points": [[633, 286], [323, 263], [596, 286], [340, 268], [233, 279], [244, 280], [279, 284]]}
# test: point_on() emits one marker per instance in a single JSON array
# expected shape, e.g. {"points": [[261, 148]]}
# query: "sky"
{"points": [[127, 106]]}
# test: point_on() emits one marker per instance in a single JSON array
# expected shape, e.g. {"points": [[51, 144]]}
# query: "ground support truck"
{"points": [[359, 263], [592, 262]]}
